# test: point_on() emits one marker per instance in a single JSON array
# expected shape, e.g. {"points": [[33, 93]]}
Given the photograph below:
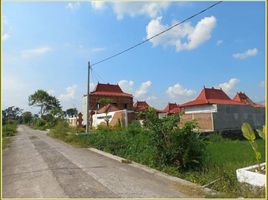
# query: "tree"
{"points": [[11, 113], [27, 117], [71, 112], [43, 100]]}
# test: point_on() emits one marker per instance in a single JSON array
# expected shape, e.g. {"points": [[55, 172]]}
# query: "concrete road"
{"points": [[39, 166]]}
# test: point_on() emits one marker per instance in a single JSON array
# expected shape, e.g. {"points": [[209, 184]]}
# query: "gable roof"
{"points": [[172, 108], [140, 106], [109, 90], [243, 98], [211, 96], [109, 108]]}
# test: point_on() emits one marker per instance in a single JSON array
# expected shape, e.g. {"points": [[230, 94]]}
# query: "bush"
{"points": [[10, 128], [40, 124], [178, 147], [134, 128], [61, 130]]}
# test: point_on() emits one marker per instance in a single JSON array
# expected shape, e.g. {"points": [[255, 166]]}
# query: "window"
{"points": [[125, 105]]}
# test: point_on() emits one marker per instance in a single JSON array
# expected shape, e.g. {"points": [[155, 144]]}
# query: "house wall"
{"points": [[124, 116], [119, 102], [204, 120], [231, 117], [72, 121], [201, 109]]}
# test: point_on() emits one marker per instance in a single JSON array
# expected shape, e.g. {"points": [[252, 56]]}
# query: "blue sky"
{"points": [[47, 46]]}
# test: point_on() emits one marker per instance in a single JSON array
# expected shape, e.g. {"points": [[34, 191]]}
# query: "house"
{"points": [[214, 110], [243, 98], [170, 109], [111, 92], [140, 106], [114, 115]]}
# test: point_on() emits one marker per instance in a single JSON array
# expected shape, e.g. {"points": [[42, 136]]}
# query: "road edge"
{"points": [[153, 171]]}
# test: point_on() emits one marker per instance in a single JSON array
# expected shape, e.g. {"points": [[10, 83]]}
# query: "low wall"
{"points": [[231, 117]]}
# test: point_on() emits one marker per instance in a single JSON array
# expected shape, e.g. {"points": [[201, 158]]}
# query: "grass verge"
{"points": [[8, 130]]}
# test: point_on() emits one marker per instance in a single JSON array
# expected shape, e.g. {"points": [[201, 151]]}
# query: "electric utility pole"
{"points": [[88, 91]]}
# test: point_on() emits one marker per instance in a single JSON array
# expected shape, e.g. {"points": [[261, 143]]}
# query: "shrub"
{"points": [[10, 128], [40, 124], [134, 128], [60, 130], [179, 147]]}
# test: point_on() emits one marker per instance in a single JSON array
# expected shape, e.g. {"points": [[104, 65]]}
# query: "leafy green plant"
{"points": [[262, 132], [249, 134]]}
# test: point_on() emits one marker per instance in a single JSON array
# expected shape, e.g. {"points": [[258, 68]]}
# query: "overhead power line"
{"points": [[156, 35]]}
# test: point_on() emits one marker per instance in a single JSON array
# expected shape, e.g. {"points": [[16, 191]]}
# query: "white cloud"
{"points": [[184, 36], [5, 36], [219, 42], [246, 54], [126, 86], [143, 89], [229, 85], [6, 29], [69, 93], [28, 53], [73, 6], [178, 90], [92, 86], [137, 8], [98, 5]]}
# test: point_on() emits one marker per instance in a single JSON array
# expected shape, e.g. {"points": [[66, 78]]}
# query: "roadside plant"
{"points": [[175, 146], [262, 132], [249, 134]]}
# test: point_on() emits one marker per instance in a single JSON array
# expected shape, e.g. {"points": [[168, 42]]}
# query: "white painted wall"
{"points": [[100, 118], [201, 109]]}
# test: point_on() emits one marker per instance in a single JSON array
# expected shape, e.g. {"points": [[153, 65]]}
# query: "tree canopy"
{"points": [[71, 112], [46, 102], [11, 113]]}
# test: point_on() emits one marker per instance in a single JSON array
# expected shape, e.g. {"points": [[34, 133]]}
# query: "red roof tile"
{"points": [[178, 109], [211, 96], [171, 108], [140, 106], [109, 90], [108, 108], [243, 98]]}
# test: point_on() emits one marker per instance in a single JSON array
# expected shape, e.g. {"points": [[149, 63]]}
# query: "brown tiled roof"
{"points": [[211, 96], [169, 107], [243, 98], [108, 108], [109, 90], [140, 106]]}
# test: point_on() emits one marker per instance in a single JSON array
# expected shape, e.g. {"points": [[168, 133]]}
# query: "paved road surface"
{"points": [[39, 166]]}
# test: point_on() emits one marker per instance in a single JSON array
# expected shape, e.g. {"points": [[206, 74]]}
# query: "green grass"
{"points": [[8, 130], [223, 158]]}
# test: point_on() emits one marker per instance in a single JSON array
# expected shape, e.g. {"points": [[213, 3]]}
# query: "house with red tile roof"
{"points": [[140, 106], [214, 110], [112, 93], [107, 108], [243, 98]]}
